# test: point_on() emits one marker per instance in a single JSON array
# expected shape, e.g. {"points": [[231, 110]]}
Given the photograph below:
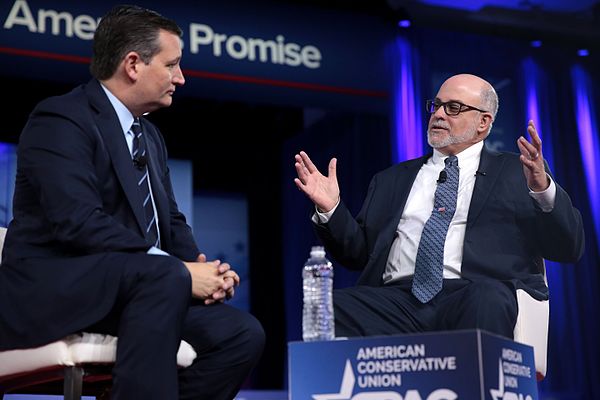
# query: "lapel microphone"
{"points": [[481, 173], [443, 176], [140, 161]]}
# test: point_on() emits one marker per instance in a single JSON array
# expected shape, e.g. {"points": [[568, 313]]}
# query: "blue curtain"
{"points": [[567, 119]]}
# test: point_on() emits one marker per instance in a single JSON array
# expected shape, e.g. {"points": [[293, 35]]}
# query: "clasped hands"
{"points": [[212, 281]]}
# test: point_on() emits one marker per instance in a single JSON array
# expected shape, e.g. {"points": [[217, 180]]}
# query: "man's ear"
{"points": [[484, 123], [131, 63]]}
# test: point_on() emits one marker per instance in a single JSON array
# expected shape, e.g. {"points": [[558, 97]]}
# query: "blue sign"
{"points": [[8, 170], [238, 49], [434, 366]]}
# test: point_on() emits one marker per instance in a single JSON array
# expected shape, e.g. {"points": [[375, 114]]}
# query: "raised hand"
{"points": [[533, 160], [321, 190]]}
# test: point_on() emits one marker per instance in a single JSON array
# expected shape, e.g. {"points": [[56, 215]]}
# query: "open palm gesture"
{"points": [[321, 190]]}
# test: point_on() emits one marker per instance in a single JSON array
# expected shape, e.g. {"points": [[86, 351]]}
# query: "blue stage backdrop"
{"points": [[367, 117]]}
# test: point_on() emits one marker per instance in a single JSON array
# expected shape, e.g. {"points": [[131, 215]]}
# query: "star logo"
{"points": [[345, 389], [498, 394]]}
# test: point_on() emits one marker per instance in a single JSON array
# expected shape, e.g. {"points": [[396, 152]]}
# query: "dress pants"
{"points": [[461, 304], [153, 312]]}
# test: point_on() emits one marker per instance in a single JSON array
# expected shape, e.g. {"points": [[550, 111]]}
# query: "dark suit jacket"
{"points": [[76, 201], [507, 234]]}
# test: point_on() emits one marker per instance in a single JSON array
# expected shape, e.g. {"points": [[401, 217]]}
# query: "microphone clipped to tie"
{"points": [[140, 161], [443, 176]]}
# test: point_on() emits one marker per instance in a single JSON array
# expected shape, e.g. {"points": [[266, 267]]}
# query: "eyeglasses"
{"points": [[450, 107]]}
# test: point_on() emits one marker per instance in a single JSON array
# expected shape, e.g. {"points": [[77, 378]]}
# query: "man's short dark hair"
{"points": [[123, 29]]}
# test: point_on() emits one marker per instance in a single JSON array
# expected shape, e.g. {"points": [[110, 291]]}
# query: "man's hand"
{"points": [[211, 280], [533, 160], [227, 291], [321, 190], [230, 280]]}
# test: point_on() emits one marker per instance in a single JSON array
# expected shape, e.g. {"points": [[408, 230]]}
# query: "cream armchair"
{"points": [[532, 327]]}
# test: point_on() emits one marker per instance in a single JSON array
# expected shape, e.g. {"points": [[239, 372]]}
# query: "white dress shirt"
{"points": [[419, 204]]}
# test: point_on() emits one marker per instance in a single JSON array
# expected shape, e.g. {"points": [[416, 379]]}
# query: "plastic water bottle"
{"points": [[317, 312]]}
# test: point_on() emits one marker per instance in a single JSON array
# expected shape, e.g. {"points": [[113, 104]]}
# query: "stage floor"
{"points": [[243, 395]]}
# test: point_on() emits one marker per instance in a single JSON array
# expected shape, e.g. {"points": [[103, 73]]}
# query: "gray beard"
{"points": [[449, 140]]}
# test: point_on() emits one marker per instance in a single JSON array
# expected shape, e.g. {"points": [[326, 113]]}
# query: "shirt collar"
{"points": [[465, 156], [124, 115]]}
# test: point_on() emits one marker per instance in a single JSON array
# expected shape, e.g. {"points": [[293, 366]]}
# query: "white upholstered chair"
{"points": [[532, 327], [63, 366]]}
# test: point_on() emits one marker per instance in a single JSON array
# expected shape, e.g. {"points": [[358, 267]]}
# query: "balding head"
{"points": [[481, 91]]}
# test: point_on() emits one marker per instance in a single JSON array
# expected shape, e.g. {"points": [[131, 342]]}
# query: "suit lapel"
{"points": [[401, 187], [403, 184], [109, 129], [490, 168], [161, 199]]}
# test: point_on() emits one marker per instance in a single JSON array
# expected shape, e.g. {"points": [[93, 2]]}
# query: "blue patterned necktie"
{"points": [[140, 161], [429, 265]]}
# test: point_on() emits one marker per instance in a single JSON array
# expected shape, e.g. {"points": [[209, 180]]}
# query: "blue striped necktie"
{"points": [[141, 167], [429, 265]]}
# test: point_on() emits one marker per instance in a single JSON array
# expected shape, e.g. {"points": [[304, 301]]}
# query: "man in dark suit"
{"points": [[508, 214], [97, 242]]}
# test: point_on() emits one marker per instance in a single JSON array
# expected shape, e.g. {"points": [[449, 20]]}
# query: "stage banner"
{"points": [[470, 364], [257, 51]]}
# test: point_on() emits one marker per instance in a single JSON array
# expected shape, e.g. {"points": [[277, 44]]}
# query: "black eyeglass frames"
{"points": [[450, 107]]}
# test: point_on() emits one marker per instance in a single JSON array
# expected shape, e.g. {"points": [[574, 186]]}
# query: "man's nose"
{"points": [[440, 113], [178, 78]]}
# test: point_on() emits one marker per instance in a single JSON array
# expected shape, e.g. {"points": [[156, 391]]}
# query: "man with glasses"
{"points": [[444, 240]]}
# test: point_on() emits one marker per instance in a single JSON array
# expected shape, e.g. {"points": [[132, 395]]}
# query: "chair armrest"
{"points": [[13, 362], [102, 349], [532, 328]]}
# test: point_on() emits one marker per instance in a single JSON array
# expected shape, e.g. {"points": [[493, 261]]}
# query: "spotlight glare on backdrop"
{"points": [[583, 52], [536, 43]]}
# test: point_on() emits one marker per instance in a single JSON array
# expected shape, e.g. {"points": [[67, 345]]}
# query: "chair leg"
{"points": [[73, 383]]}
